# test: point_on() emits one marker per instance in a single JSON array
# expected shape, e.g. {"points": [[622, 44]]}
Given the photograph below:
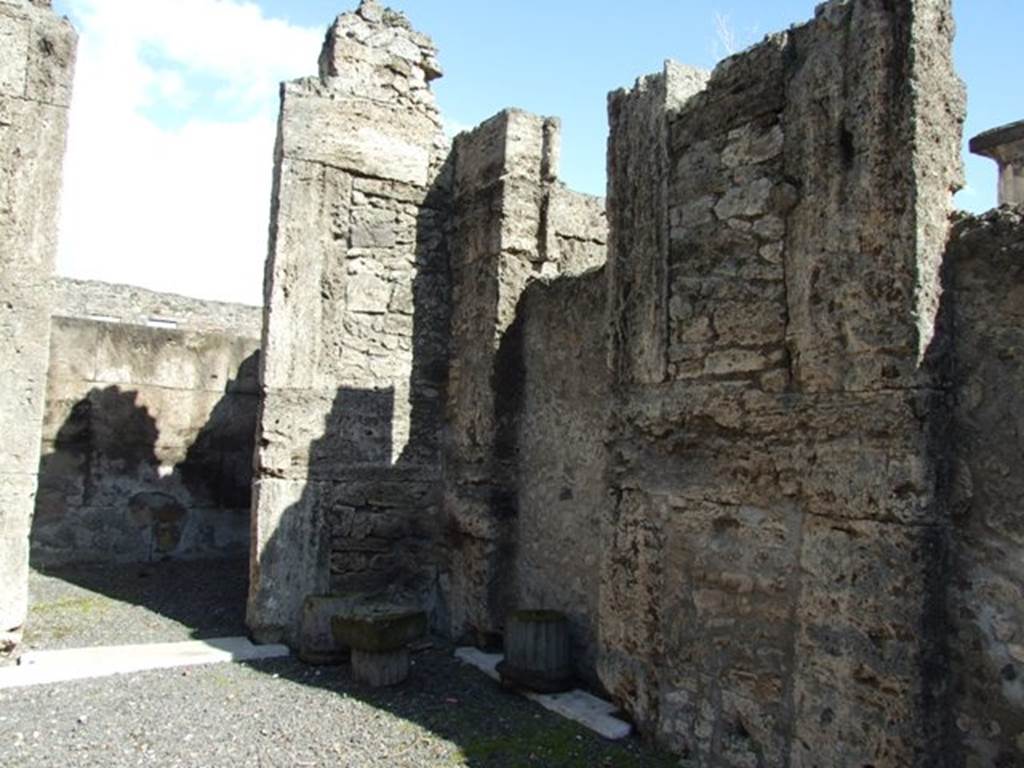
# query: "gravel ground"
{"points": [[91, 605], [275, 713]]}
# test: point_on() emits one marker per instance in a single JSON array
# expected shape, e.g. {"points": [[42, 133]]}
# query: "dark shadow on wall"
{"points": [[110, 520], [217, 468], [368, 522]]}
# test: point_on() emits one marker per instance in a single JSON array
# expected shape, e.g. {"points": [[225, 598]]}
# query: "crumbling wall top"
{"points": [[131, 305], [376, 43]]}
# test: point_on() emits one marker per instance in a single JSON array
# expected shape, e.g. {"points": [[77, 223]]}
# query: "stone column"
{"points": [[1005, 145], [37, 53], [355, 330]]}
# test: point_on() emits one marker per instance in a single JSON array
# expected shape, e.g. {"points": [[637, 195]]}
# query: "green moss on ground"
{"points": [[562, 745]]}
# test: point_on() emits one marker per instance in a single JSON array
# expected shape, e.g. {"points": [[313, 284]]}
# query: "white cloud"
{"points": [[453, 127], [153, 196]]}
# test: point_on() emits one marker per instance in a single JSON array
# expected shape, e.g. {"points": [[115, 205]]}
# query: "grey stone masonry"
{"points": [[147, 444], [347, 486], [561, 413], [1005, 145], [514, 224], [772, 589], [395, 271], [37, 54], [131, 305], [751, 424], [986, 290]]}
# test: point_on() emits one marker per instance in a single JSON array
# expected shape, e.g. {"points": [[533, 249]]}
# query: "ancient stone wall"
{"points": [[562, 499], [514, 223], [347, 491], [746, 457], [148, 433], [37, 52], [986, 297], [772, 593], [131, 305]]}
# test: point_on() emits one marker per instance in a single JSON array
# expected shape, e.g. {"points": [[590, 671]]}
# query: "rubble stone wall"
{"points": [[772, 593], [986, 296], [746, 456], [562, 498], [513, 224], [347, 490], [37, 55], [131, 305], [148, 433]]}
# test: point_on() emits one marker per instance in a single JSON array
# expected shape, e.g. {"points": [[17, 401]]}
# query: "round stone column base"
{"points": [[380, 669]]}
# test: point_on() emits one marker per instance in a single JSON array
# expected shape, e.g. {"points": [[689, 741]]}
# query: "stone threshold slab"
{"points": [[44, 667], [582, 707]]}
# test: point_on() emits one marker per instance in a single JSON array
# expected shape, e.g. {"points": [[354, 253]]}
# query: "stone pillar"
{"points": [[355, 332], [37, 53], [504, 170], [773, 590], [1005, 145]]}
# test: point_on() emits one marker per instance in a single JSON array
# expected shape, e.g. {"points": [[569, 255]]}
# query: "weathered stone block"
{"points": [[51, 61], [17, 493], [869, 602], [32, 135], [358, 136], [316, 643], [289, 557], [293, 313], [377, 628], [15, 33]]}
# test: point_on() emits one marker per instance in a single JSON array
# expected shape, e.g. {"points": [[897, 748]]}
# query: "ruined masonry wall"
{"points": [[147, 444], [37, 53], [347, 489], [148, 432], [513, 224], [986, 291], [129, 304], [563, 508], [772, 591]]}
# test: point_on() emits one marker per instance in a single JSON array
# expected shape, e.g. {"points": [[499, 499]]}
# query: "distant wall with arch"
{"points": [[147, 437]]}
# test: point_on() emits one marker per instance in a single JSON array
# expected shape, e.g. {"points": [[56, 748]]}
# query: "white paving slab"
{"points": [[584, 708], [42, 667]]}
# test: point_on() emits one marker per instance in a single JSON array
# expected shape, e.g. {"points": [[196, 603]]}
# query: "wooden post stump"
{"points": [[378, 635], [537, 652]]}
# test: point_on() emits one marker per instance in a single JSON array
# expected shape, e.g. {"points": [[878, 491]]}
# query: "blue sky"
{"points": [[168, 173]]}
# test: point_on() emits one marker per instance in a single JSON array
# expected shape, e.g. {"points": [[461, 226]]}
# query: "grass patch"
{"points": [[564, 745], [72, 606]]}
